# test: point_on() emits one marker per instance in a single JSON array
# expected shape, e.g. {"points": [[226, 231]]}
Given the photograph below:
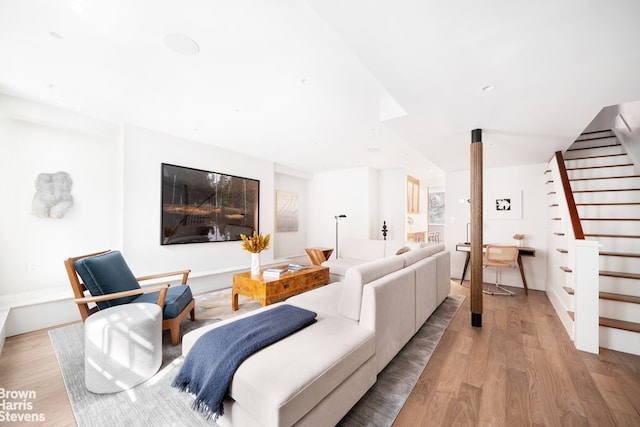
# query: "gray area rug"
{"points": [[152, 403], [156, 403], [382, 403]]}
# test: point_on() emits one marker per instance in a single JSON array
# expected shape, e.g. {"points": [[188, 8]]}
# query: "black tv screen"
{"points": [[200, 206]]}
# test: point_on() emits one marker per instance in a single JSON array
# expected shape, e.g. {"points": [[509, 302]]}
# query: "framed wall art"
{"points": [[203, 206], [286, 211], [504, 204]]}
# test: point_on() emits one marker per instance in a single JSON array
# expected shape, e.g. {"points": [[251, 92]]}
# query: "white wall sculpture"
{"points": [[53, 195]]}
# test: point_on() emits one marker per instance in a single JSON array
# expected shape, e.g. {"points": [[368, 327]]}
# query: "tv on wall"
{"points": [[200, 206]]}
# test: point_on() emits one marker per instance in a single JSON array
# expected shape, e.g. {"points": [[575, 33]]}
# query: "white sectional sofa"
{"points": [[313, 377], [353, 251]]}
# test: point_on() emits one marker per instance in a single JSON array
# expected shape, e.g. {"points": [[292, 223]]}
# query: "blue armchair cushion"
{"points": [[178, 297], [107, 274]]}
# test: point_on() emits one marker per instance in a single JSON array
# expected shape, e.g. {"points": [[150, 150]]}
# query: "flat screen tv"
{"points": [[200, 206]]}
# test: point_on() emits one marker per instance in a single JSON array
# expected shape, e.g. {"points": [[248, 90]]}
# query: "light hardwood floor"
{"points": [[521, 369], [518, 369]]}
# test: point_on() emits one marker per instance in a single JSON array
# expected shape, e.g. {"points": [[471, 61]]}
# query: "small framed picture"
{"points": [[504, 204]]}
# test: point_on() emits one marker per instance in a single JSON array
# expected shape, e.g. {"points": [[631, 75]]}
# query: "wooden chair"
{"points": [[109, 281], [500, 256]]}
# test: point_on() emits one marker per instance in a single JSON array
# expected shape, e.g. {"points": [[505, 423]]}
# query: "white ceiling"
{"points": [[326, 84]]}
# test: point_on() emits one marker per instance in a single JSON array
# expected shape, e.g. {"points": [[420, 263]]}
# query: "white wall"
{"points": [[393, 203], [144, 151], [531, 180], [33, 249], [116, 190], [351, 192]]}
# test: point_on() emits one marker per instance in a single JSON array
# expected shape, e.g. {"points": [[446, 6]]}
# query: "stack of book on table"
{"points": [[277, 272], [274, 273], [296, 267]]}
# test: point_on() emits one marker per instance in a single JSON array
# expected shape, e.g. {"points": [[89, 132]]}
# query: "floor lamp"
{"points": [[337, 217]]}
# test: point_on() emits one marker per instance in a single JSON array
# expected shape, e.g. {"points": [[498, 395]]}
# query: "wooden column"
{"points": [[475, 286]]}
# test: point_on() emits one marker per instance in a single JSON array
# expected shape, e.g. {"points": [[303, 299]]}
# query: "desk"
{"points": [[522, 251]]}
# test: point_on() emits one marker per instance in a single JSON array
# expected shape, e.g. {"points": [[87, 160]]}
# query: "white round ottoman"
{"points": [[122, 346]]}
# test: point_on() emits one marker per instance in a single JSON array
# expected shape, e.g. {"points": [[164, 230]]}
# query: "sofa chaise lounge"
{"points": [[315, 376]]}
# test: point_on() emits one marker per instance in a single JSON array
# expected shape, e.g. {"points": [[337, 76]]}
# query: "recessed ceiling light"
{"points": [[55, 35], [374, 149], [181, 44], [487, 88]]}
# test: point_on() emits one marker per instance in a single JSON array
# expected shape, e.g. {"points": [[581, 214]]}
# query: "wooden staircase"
{"points": [[607, 195]]}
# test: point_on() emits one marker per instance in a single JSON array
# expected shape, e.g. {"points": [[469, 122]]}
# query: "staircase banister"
{"points": [[568, 194]]}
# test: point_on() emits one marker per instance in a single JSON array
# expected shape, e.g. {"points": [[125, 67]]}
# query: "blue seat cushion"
{"points": [[178, 297], [107, 274]]}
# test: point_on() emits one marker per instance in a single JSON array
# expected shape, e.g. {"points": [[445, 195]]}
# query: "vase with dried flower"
{"points": [[255, 244], [520, 239]]}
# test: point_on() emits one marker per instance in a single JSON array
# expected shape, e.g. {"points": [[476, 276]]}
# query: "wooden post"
{"points": [[475, 286]]}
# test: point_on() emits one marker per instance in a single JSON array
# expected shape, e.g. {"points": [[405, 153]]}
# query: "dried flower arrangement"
{"points": [[518, 236], [256, 243]]}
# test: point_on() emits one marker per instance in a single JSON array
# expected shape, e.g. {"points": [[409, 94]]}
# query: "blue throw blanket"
{"points": [[212, 361]]}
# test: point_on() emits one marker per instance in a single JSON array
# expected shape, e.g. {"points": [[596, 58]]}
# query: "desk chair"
{"points": [[500, 257]]}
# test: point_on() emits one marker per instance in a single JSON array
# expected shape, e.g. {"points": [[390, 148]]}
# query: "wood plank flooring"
{"points": [[28, 363], [519, 369]]}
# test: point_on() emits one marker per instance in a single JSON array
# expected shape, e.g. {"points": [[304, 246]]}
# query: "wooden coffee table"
{"points": [[267, 291]]}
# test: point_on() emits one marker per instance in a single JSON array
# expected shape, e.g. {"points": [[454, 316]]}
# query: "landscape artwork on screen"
{"points": [[200, 206]]}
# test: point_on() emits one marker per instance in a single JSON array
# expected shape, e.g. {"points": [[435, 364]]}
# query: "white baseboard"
{"points": [[4, 313]]}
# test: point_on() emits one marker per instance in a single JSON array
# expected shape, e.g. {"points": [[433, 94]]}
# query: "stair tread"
{"points": [[609, 204], [594, 147], [609, 219], [569, 290], [621, 236], [621, 274], [594, 157], [620, 297], [562, 251], [599, 167], [620, 324], [613, 323], [620, 254], [566, 269], [604, 177], [605, 191], [596, 138], [591, 132]]}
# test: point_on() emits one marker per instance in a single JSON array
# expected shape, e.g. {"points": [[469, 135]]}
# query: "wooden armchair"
{"points": [[109, 281]]}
